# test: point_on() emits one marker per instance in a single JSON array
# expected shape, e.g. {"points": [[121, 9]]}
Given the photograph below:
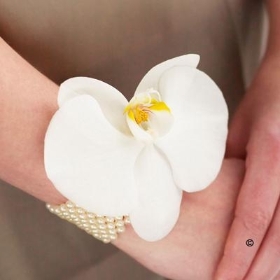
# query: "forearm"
{"points": [[267, 75], [273, 47], [28, 101]]}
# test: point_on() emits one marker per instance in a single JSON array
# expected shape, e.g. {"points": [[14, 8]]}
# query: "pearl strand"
{"points": [[104, 228]]}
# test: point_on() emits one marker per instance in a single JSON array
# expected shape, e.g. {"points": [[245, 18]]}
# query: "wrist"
{"points": [[25, 122], [28, 101]]}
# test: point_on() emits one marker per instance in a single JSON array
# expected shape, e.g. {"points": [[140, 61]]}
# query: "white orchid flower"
{"points": [[115, 157]]}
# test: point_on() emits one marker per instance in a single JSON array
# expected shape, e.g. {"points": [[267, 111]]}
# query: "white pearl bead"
{"points": [[120, 223], [113, 236], [120, 229], [110, 219], [111, 226], [112, 231], [101, 220]]}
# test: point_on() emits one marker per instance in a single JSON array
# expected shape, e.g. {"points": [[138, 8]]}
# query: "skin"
{"points": [[255, 136], [28, 101], [193, 248]]}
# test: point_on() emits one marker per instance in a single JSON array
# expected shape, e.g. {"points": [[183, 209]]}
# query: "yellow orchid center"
{"points": [[148, 112], [139, 113], [142, 106]]}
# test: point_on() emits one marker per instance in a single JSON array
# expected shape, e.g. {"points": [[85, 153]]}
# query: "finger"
{"points": [[255, 208], [238, 134], [277, 277], [267, 263]]}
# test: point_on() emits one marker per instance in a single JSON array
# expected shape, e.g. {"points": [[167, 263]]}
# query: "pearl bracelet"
{"points": [[103, 228]]}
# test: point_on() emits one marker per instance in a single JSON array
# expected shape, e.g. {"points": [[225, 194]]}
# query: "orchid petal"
{"points": [[151, 79], [159, 198], [90, 162], [110, 100], [192, 94], [195, 145], [160, 121]]}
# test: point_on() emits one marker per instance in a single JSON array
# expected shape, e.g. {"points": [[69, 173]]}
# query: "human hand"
{"points": [[255, 134], [193, 248]]}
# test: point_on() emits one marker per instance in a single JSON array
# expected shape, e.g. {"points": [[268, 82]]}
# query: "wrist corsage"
{"points": [[132, 160]]}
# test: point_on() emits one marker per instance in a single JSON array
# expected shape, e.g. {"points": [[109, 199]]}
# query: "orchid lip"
{"points": [[147, 112]]}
